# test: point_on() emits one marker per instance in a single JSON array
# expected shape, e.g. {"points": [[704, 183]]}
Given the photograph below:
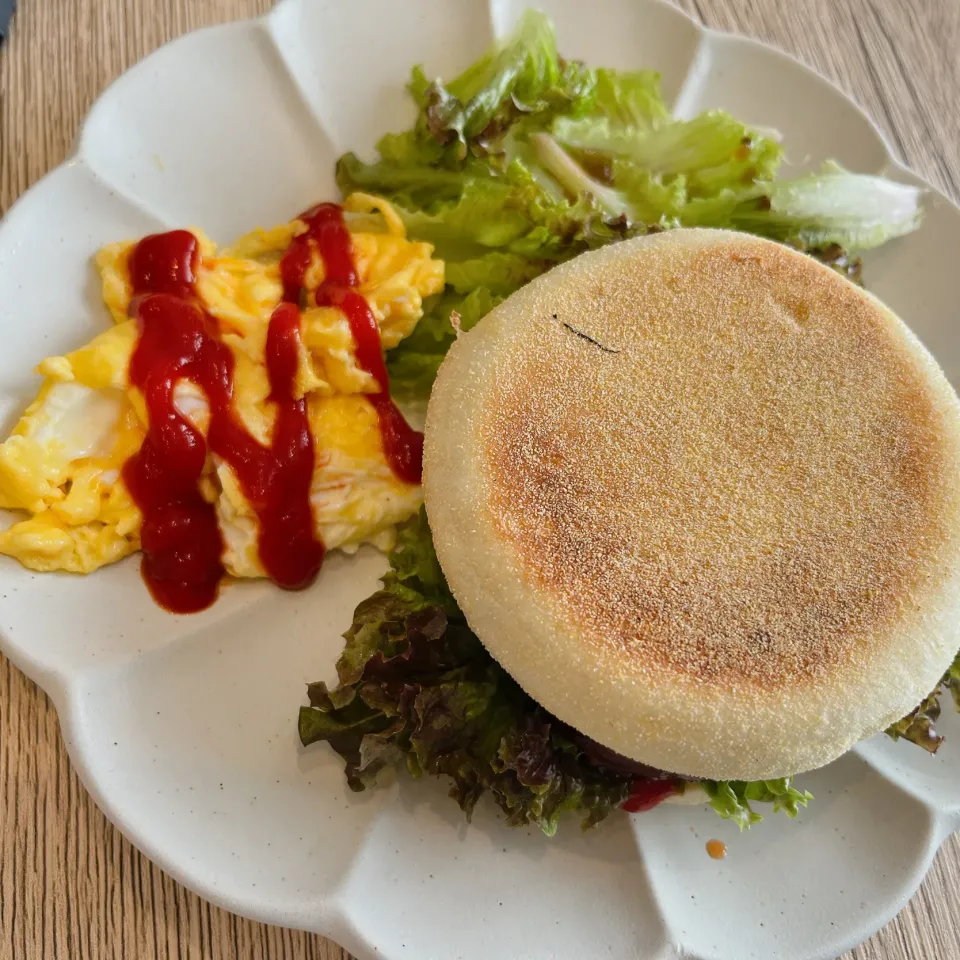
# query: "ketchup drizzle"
{"points": [[182, 543], [402, 445]]}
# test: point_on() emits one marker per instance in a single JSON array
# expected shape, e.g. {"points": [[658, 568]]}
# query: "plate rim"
{"points": [[65, 690]]}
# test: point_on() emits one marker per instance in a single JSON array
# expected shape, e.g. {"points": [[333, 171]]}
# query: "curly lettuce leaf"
{"points": [[404, 178], [853, 210], [416, 687], [732, 798], [713, 150], [415, 573], [575, 179], [413, 365], [650, 198], [522, 78], [835, 257], [521, 210], [951, 681], [479, 213], [629, 98], [500, 272], [918, 725]]}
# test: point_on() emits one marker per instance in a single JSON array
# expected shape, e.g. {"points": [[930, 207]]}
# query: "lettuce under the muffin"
{"points": [[919, 726], [417, 688], [527, 159]]}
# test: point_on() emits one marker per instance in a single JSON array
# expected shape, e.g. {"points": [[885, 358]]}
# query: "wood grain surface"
{"points": [[70, 885]]}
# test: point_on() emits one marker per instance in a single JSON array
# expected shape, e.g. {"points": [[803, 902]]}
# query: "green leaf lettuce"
{"points": [[527, 159]]}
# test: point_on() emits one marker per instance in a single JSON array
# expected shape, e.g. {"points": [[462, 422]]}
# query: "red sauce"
{"points": [[717, 849], [165, 263], [181, 540], [646, 794], [182, 544], [402, 446], [279, 484]]}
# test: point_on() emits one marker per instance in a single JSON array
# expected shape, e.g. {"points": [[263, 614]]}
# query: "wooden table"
{"points": [[70, 885]]}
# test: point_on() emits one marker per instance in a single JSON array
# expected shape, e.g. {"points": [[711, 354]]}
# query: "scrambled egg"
{"points": [[62, 463]]}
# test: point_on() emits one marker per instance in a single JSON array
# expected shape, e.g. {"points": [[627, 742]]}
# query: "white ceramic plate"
{"points": [[183, 729]]}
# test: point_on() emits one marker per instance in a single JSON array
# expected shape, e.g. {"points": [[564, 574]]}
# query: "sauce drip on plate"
{"points": [[182, 544], [717, 849]]}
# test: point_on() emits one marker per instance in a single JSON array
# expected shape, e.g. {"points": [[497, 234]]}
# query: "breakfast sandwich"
{"points": [[699, 496], [696, 518]]}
